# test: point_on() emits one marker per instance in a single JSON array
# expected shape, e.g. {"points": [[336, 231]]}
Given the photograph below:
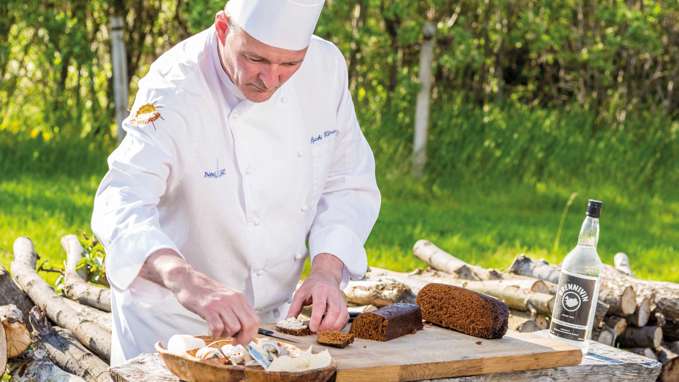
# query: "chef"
{"points": [[242, 157]]}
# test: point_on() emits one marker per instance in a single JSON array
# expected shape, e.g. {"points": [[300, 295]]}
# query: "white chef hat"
{"points": [[286, 24]]}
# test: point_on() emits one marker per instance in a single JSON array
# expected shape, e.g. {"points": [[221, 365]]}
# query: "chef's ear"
{"points": [[222, 25]]}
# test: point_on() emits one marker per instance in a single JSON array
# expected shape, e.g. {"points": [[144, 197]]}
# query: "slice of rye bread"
{"points": [[335, 339], [463, 310], [305, 331]]}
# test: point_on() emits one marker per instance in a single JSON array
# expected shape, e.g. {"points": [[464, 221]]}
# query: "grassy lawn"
{"points": [[482, 225]]}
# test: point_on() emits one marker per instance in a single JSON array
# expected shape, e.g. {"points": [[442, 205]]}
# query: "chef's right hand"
{"points": [[226, 311]]}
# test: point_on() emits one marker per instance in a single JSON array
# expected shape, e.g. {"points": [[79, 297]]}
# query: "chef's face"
{"points": [[257, 69]]}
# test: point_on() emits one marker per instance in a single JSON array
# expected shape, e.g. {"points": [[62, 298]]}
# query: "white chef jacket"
{"points": [[244, 193]]}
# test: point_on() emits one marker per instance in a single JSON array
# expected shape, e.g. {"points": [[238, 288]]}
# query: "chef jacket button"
{"points": [[300, 154], [284, 99], [303, 208], [256, 221], [248, 171], [234, 115], [300, 256], [259, 272]]}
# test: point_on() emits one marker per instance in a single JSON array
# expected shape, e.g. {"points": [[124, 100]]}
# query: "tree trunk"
{"points": [[443, 261], [646, 337], [66, 352], [75, 287], [14, 328], [88, 333], [10, 293]]}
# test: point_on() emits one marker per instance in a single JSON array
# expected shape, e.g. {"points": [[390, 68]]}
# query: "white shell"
{"points": [[209, 353], [181, 343], [236, 354]]}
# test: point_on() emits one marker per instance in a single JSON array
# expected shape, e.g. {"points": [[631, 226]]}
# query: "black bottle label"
{"points": [[572, 305]]}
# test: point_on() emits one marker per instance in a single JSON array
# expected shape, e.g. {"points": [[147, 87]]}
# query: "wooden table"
{"points": [[602, 363]]}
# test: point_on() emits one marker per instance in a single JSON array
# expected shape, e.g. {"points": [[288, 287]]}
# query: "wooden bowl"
{"points": [[192, 369]]}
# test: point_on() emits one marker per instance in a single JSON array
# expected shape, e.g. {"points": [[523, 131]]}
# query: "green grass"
{"points": [[482, 225]]}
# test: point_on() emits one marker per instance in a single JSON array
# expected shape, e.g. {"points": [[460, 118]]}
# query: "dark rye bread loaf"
{"points": [[463, 310], [389, 322]]}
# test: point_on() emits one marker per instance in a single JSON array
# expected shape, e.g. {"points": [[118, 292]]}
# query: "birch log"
{"points": [[65, 350], [646, 337], [443, 261], [671, 330], [10, 293], [618, 324], [615, 292], [3, 351], [88, 333], [664, 354], [14, 327], [89, 313], [516, 298], [527, 322], [673, 346], [600, 313], [621, 263], [642, 313], [39, 368], [75, 286], [605, 335], [379, 292]]}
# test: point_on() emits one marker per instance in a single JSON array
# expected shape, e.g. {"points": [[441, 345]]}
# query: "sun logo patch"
{"points": [[147, 113]]}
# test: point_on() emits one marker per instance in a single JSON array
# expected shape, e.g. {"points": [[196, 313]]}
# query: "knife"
{"points": [[271, 333], [257, 356]]}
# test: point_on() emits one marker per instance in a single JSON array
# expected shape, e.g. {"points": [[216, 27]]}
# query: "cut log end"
{"points": [[16, 333], [646, 337], [3, 351]]}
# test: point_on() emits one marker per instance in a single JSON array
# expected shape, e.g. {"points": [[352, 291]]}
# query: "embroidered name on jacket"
{"points": [[215, 173], [319, 137]]}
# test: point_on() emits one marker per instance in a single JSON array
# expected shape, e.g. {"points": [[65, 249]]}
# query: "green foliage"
{"points": [[532, 101], [93, 259]]}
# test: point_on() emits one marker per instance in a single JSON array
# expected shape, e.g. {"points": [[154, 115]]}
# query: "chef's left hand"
{"points": [[322, 289]]}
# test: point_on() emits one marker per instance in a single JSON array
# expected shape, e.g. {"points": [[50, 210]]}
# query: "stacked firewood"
{"points": [[50, 336], [633, 314]]}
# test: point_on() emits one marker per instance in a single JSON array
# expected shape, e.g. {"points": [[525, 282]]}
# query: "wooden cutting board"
{"points": [[436, 352]]}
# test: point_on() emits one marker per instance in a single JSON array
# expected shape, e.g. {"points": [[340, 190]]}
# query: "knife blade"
{"points": [[257, 356], [271, 333]]}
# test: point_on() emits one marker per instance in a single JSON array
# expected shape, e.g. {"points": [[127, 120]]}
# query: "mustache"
{"points": [[260, 86]]}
